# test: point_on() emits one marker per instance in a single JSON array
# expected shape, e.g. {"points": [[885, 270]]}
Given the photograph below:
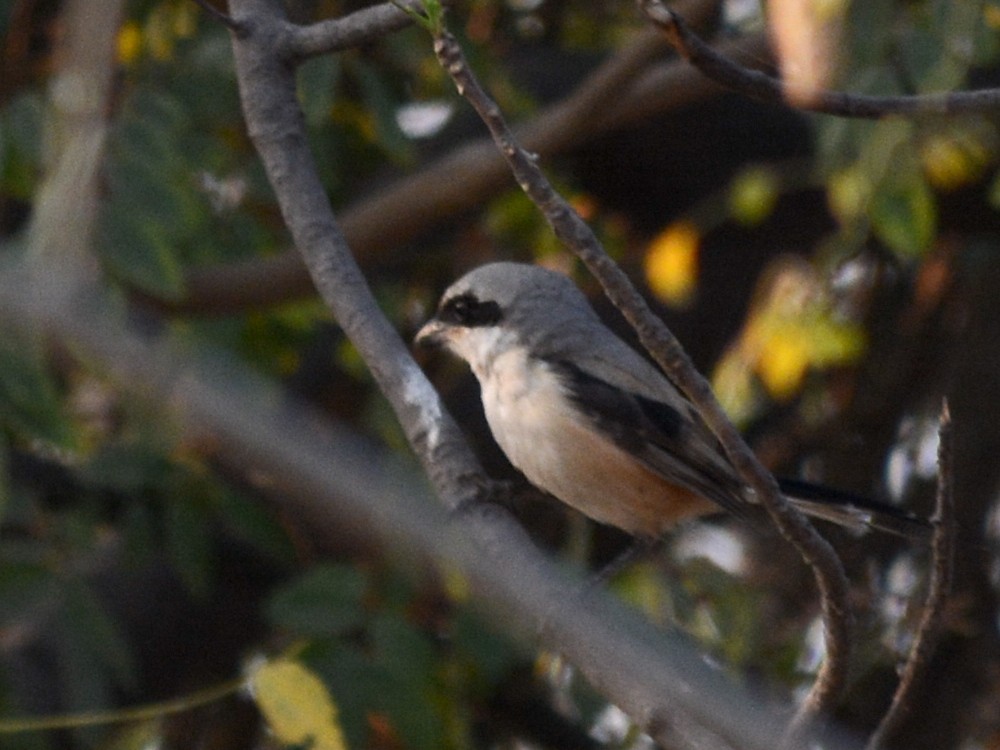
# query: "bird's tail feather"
{"points": [[855, 513]]}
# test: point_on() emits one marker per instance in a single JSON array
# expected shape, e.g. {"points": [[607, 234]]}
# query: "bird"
{"points": [[587, 419]]}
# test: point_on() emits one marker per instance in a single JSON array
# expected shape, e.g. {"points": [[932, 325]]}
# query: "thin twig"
{"points": [[942, 568], [147, 712], [235, 26], [757, 85], [667, 351]]}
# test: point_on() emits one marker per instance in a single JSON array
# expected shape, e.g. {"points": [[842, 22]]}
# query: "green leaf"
{"points": [[24, 587], [356, 683], [890, 141], [5, 495], [128, 468], [139, 184], [382, 105], [29, 399], [188, 540], [396, 676], [488, 654], [317, 87], [154, 210], [251, 521], [139, 253], [410, 695], [21, 122], [327, 600], [904, 216], [99, 634], [404, 650]]}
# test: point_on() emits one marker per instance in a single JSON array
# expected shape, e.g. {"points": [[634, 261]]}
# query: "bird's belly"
{"points": [[559, 452]]}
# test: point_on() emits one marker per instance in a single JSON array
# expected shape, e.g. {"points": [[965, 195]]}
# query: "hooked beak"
{"points": [[433, 334]]}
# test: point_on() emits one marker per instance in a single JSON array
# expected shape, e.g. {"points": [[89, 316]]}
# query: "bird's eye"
{"points": [[465, 310]]}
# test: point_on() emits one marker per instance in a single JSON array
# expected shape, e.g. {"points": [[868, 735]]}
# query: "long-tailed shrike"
{"points": [[587, 419]]}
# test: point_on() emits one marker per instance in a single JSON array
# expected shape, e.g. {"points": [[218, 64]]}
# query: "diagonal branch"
{"points": [[757, 85], [942, 567], [333, 480], [668, 353], [277, 128]]}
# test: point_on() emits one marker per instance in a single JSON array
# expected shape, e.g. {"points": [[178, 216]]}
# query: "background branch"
{"points": [[757, 85], [79, 96], [332, 480], [627, 88]]}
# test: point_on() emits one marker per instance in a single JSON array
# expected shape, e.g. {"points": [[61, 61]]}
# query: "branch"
{"points": [[276, 126], [756, 85], [942, 567], [76, 131], [357, 28], [322, 474], [611, 649], [625, 89], [666, 350]]}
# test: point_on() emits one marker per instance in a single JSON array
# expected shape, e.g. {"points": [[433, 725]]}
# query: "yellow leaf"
{"points": [[991, 15], [185, 20], [848, 193], [735, 387], [672, 263], [753, 195], [784, 361], [129, 43], [951, 161], [297, 705]]}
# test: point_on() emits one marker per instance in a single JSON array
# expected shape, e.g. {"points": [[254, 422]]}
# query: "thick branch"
{"points": [[756, 85], [76, 132], [276, 126], [330, 479]]}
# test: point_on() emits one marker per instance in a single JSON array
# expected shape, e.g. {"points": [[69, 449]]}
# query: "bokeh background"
{"points": [[835, 278]]}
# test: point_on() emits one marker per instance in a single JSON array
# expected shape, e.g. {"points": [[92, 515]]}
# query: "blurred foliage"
{"points": [[118, 531], [672, 263], [793, 329]]}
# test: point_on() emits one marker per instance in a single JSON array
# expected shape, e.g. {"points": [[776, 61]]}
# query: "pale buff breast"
{"points": [[557, 452]]}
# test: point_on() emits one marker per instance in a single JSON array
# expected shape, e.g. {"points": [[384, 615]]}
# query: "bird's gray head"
{"points": [[501, 305]]}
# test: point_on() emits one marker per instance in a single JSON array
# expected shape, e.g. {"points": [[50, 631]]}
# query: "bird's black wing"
{"points": [[671, 444], [657, 434]]}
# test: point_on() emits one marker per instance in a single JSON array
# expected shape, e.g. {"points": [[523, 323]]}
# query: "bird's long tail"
{"points": [[855, 513]]}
